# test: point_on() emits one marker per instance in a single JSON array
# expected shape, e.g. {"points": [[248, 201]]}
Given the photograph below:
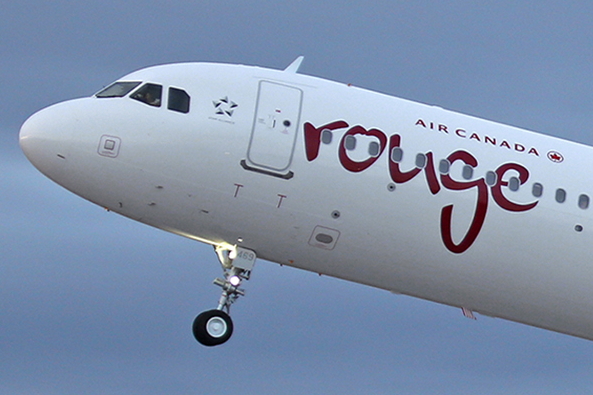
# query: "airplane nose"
{"points": [[29, 138], [44, 140]]}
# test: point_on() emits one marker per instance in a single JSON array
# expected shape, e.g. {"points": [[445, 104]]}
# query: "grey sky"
{"points": [[94, 303]]}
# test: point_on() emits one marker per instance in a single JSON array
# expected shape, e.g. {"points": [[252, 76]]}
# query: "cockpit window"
{"points": [[178, 100], [118, 89], [149, 94]]}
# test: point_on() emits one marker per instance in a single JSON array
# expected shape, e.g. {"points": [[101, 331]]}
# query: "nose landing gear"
{"points": [[214, 327]]}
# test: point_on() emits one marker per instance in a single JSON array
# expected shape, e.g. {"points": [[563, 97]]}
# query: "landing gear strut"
{"points": [[214, 327]]}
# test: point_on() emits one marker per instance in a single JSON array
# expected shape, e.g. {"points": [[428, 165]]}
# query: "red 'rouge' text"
{"points": [[313, 138]]}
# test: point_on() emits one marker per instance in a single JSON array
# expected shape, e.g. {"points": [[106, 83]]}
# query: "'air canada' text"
{"points": [[464, 134]]}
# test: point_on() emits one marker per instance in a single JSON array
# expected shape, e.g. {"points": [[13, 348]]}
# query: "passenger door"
{"points": [[275, 125]]}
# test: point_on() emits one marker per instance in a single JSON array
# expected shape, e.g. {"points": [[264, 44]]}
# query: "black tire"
{"points": [[213, 327]]}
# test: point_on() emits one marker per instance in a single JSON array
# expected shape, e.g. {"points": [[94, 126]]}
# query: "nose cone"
{"points": [[32, 138], [44, 138]]}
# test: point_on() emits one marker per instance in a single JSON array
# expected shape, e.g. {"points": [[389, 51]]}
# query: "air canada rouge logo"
{"points": [[314, 135]]}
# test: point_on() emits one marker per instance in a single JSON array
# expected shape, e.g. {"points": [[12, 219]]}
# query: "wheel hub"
{"points": [[216, 327]]}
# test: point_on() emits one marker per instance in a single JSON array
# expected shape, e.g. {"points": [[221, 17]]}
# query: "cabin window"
{"points": [[420, 161], [149, 94], [178, 100], [491, 178], [468, 172], [118, 89], [514, 184], [584, 202], [397, 154], [374, 148], [326, 136], [537, 190], [350, 143], [444, 166], [560, 195]]}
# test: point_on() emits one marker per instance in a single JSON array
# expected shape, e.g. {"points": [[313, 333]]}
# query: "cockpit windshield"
{"points": [[178, 100], [118, 89], [149, 94]]}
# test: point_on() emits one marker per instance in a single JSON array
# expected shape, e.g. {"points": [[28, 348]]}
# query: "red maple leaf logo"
{"points": [[555, 156]]}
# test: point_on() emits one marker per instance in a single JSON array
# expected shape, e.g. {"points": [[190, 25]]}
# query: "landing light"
{"points": [[235, 280]]}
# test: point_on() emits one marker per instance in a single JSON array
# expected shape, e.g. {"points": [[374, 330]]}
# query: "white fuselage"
{"points": [[326, 177]]}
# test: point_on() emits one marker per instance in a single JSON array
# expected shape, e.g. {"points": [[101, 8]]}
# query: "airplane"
{"points": [[337, 180]]}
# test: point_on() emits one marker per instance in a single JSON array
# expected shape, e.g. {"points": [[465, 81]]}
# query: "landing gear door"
{"points": [[274, 132]]}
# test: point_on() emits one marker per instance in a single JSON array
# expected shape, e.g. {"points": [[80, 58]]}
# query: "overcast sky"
{"points": [[93, 303]]}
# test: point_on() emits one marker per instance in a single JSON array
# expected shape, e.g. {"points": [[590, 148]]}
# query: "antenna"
{"points": [[295, 65]]}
